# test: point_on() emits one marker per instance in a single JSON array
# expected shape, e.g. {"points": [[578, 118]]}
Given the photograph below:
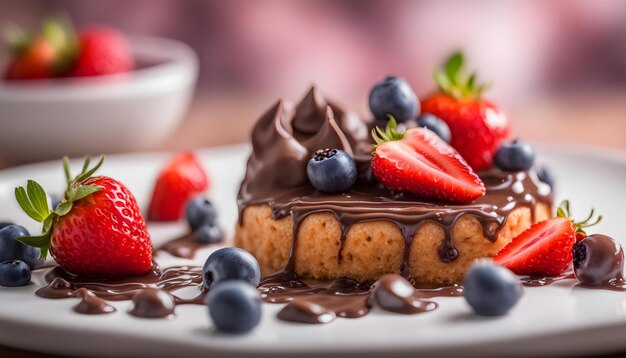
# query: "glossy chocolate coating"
{"points": [[284, 139], [153, 303], [598, 260]]}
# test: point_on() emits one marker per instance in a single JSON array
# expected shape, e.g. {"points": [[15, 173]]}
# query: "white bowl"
{"points": [[44, 119]]}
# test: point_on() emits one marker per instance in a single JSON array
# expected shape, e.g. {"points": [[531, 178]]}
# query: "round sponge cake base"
{"points": [[372, 249]]}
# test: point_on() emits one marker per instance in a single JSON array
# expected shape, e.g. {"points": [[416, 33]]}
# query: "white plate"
{"points": [[555, 319]]}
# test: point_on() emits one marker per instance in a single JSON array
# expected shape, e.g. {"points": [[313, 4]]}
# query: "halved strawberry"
{"points": [[182, 179], [420, 162], [544, 249]]}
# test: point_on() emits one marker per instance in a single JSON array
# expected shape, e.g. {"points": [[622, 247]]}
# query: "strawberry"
{"points": [[181, 179], [420, 162], [478, 126], [544, 249], [96, 230], [43, 55], [102, 51]]}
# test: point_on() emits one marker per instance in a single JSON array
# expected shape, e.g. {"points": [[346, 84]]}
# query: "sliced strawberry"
{"points": [[182, 179], [420, 162], [545, 249]]}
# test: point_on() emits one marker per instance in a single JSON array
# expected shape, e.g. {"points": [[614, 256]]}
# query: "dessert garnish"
{"points": [[234, 306], [478, 126], [490, 289], [545, 249], [420, 162], [182, 179], [57, 51], [598, 261], [393, 96], [331, 170], [514, 156], [14, 273], [230, 263], [97, 229], [12, 249], [201, 217], [436, 125]]}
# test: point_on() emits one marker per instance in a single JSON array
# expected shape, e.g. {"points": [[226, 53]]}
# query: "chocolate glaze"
{"points": [[323, 304], [395, 294], [538, 281], [153, 303], [62, 284], [599, 261], [91, 304], [184, 246], [283, 141]]}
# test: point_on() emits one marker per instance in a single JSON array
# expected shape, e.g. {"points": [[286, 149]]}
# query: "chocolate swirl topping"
{"points": [[285, 138]]}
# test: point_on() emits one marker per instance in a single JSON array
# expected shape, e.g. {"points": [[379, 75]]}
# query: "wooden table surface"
{"points": [[599, 120]]}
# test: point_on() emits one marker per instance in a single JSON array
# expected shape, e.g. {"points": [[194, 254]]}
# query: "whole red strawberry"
{"points": [[544, 249], [102, 51], [420, 162], [477, 125], [181, 179], [42, 55], [97, 229]]}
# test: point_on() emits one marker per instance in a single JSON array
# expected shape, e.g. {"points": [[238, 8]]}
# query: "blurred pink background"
{"points": [[558, 67]]}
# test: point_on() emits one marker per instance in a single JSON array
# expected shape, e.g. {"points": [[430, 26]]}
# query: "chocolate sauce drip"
{"points": [[184, 246], [283, 141], [395, 294], [62, 284], [90, 304], [539, 281], [153, 303], [344, 298]]}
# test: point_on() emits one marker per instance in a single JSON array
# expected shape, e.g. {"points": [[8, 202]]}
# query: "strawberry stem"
{"points": [[34, 201], [388, 135], [563, 211], [452, 80]]}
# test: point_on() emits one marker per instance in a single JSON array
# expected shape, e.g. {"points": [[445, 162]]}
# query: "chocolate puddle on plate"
{"points": [[147, 291], [184, 246]]}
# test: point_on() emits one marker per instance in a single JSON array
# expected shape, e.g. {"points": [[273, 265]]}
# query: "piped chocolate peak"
{"points": [[287, 136]]}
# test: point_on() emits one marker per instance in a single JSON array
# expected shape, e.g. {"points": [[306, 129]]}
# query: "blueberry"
{"points": [[393, 96], [491, 290], [200, 211], [5, 224], [515, 155], [332, 171], [436, 125], [209, 234], [546, 176], [11, 249], [230, 263], [14, 273], [234, 306]]}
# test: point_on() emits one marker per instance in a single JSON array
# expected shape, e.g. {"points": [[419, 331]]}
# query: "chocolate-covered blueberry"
{"points": [[394, 293], [598, 260]]}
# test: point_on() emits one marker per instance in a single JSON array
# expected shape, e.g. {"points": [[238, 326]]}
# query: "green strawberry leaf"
{"points": [[33, 201], [452, 80]]}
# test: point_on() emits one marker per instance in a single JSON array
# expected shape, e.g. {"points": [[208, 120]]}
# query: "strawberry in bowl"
{"points": [[57, 51]]}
